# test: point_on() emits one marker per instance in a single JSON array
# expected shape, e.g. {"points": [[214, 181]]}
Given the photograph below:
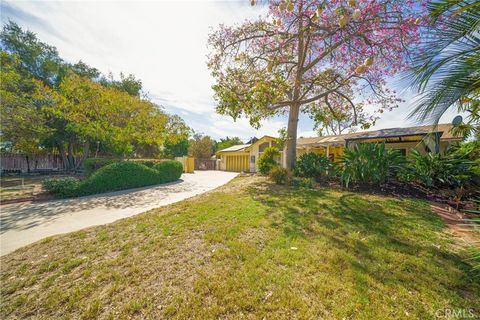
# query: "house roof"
{"points": [[238, 147], [444, 129], [262, 140], [245, 147]]}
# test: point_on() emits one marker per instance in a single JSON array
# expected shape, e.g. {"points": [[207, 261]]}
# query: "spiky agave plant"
{"points": [[369, 163], [447, 73], [437, 170]]}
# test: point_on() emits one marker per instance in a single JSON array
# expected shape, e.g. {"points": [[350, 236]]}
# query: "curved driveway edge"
{"points": [[22, 224]]}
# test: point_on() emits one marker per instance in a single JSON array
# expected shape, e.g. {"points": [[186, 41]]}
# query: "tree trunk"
{"points": [[28, 163], [86, 153], [291, 142], [291, 154], [61, 149], [71, 158]]}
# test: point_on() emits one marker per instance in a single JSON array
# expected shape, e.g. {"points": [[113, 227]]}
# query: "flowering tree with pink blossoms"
{"points": [[306, 52]]}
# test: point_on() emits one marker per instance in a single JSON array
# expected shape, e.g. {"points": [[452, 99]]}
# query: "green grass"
{"points": [[248, 251]]}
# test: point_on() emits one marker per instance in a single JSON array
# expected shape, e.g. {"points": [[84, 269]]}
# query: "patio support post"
{"points": [[437, 142]]}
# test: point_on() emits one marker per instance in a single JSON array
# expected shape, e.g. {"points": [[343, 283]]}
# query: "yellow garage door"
{"points": [[237, 163]]}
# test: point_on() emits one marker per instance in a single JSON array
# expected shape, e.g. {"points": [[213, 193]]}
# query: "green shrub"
{"points": [[116, 176], [61, 187], [450, 169], [91, 165], [119, 176], [169, 170], [369, 163], [313, 165], [266, 161], [147, 162], [303, 182], [279, 175]]}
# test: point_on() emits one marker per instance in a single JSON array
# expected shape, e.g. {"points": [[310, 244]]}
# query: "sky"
{"points": [[163, 43]]}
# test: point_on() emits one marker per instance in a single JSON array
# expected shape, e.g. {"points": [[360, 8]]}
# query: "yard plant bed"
{"points": [[251, 250]]}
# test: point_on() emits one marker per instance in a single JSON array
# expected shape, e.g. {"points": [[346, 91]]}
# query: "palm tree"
{"points": [[447, 72]]}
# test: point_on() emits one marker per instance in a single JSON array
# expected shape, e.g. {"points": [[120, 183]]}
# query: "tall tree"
{"points": [[201, 147], [37, 58], [176, 148], [335, 116], [228, 142], [283, 63], [48, 103], [85, 71], [176, 144], [21, 118], [128, 84], [446, 74]]}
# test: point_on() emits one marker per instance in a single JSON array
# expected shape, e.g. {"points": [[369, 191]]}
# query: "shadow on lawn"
{"points": [[392, 241]]}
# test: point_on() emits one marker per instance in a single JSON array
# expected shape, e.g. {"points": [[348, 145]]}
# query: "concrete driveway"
{"points": [[22, 224]]}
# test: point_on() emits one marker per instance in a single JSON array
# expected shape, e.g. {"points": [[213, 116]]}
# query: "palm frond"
{"points": [[449, 67]]}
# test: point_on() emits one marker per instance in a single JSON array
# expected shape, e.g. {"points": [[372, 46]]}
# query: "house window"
{"points": [[403, 152], [252, 159]]}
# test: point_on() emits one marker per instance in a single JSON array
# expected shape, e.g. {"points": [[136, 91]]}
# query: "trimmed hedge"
{"points": [[147, 162], [90, 165], [116, 176], [62, 187], [169, 170]]}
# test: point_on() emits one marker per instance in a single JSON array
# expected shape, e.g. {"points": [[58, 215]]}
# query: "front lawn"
{"points": [[248, 250]]}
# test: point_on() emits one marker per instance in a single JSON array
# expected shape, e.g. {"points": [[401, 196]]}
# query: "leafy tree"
{"points": [[201, 147], [128, 84], [446, 73], [179, 148], [228, 142], [36, 58], [306, 51], [22, 122], [176, 144], [47, 104], [85, 71], [335, 115], [282, 138]]}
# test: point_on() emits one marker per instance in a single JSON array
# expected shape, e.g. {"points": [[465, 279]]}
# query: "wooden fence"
{"points": [[205, 164], [20, 163], [188, 163]]}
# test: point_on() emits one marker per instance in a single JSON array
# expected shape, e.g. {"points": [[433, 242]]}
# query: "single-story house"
{"points": [[244, 157], [422, 138]]}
